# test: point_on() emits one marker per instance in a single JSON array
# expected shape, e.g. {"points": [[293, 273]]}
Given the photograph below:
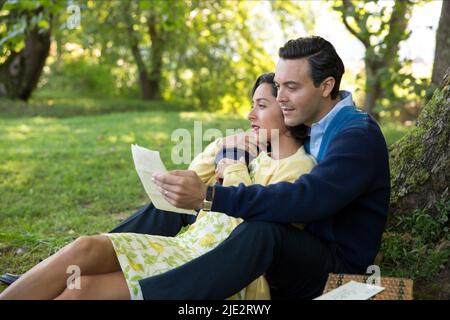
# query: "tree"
{"points": [[380, 30], [420, 161], [215, 62], [144, 28], [417, 238], [25, 46], [202, 52], [163, 20], [442, 51]]}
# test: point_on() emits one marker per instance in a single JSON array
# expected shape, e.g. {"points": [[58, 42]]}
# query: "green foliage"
{"points": [[400, 87], [212, 57], [411, 248], [381, 27], [22, 16], [210, 52], [291, 12], [219, 59], [83, 78]]}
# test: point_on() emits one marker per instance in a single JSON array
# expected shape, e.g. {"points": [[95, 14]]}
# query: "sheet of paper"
{"points": [[352, 291], [147, 162]]}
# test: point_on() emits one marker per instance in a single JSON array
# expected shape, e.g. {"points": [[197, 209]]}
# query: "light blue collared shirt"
{"points": [[318, 129]]}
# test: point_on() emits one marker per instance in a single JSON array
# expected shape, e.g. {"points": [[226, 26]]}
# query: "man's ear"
{"points": [[327, 86]]}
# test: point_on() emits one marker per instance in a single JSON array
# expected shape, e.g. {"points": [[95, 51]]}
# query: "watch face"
{"points": [[207, 205]]}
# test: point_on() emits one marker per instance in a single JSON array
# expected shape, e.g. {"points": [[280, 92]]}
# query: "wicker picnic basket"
{"points": [[394, 288]]}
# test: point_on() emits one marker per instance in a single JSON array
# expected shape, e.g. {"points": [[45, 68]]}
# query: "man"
{"points": [[343, 201]]}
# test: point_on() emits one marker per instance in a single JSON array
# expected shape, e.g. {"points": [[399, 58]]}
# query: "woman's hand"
{"points": [[223, 164], [247, 141]]}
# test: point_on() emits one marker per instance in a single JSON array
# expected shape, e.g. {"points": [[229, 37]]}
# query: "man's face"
{"points": [[300, 101]]}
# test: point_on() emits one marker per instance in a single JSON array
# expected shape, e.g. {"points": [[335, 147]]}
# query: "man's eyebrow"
{"points": [[290, 82], [259, 99]]}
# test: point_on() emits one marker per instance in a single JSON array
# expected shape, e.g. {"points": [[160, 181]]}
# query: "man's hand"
{"points": [[181, 188]]}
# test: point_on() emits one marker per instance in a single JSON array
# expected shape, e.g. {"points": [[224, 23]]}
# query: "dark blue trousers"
{"points": [[150, 220], [296, 263]]}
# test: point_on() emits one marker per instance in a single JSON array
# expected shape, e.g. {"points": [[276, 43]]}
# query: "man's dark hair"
{"points": [[299, 132], [322, 58]]}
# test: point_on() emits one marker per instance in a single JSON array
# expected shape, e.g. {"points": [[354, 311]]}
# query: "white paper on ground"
{"points": [[147, 162], [352, 291]]}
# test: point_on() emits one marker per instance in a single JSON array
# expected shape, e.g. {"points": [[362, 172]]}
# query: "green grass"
{"points": [[393, 131], [62, 178], [417, 246], [65, 177]]}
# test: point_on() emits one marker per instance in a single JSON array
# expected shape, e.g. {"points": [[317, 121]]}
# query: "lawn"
{"points": [[65, 177]]}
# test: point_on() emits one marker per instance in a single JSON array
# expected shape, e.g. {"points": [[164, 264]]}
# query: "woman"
{"points": [[112, 264]]}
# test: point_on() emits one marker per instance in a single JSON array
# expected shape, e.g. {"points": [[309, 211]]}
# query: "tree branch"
{"points": [[397, 30], [348, 6]]}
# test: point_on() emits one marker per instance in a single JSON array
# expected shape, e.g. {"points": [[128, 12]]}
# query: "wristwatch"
{"points": [[207, 202]]}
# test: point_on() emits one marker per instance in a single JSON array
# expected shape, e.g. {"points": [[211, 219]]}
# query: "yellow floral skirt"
{"points": [[142, 256]]}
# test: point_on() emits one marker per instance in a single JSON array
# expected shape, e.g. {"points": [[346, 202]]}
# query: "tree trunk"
{"points": [[420, 175], [144, 80], [20, 73], [442, 51], [156, 58], [373, 90], [420, 162], [150, 82]]}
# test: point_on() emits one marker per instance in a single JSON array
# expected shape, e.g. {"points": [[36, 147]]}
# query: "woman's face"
{"points": [[266, 112]]}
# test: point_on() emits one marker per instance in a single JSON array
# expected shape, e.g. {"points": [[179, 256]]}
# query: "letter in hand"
{"points": [[181, 188]]}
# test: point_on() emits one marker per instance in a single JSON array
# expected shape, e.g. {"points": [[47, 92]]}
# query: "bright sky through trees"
{"points": [[423, 24]]}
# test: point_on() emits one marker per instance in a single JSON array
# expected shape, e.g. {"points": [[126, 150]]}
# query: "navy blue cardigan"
{"points": [[344, 200]]}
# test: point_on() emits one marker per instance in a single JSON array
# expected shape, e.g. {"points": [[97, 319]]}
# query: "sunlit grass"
{"points": [[61, 178]]}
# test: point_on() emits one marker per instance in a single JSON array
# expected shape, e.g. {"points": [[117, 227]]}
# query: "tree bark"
{"points": [[20, 73], [156, 58], [373, 90], [420, 172], [144, 80], [442, 51], [420, 162], [150, 81]]}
